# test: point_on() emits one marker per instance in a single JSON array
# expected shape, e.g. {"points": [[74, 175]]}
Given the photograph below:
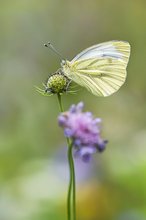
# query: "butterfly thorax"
{"points": [[67, 68]]}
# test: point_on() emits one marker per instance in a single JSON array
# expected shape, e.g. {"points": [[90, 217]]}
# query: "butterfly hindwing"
{"points": [[101, 68]]}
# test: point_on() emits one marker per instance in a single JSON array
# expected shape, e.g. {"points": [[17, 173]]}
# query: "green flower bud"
{"points": [[57, 83]]}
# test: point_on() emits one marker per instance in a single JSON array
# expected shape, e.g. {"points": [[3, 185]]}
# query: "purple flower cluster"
{"points": [[84, 130]]}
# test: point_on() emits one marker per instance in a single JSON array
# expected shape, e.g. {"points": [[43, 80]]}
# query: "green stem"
{"points": [[69, 210], [71, 197], [60, 102], [72, 171]]}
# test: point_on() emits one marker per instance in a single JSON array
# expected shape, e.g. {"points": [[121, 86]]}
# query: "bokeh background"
{"points": [[33, 168]]}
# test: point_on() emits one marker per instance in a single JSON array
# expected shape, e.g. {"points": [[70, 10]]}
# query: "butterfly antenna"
{"points": [[50, 46]]}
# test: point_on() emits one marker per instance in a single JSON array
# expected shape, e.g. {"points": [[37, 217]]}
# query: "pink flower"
{"points": [[83, 129]]}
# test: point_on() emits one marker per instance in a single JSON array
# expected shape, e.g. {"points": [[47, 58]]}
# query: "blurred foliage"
{"points": [[30, 184]]}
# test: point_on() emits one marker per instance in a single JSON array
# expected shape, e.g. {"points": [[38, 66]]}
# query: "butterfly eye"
{"points": [[63, 62]]}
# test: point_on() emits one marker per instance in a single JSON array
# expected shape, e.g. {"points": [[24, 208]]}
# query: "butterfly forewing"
{"points": [[101, 68]]}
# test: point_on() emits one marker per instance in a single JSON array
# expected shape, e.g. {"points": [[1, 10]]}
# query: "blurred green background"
{"points": [[33, 171]]}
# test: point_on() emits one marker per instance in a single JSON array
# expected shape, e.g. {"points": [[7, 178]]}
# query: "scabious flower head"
{"points": [[56, 83], [84, 130]]}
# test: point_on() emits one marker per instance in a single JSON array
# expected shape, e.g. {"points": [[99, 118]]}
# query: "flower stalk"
{"points": [[60, 102], [71, 197]]}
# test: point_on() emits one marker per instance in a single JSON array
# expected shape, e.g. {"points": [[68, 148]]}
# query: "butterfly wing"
{"points": [[100, 68]]}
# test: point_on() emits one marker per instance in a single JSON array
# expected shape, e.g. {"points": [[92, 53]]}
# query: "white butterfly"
{"points": [[101, 68]]}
